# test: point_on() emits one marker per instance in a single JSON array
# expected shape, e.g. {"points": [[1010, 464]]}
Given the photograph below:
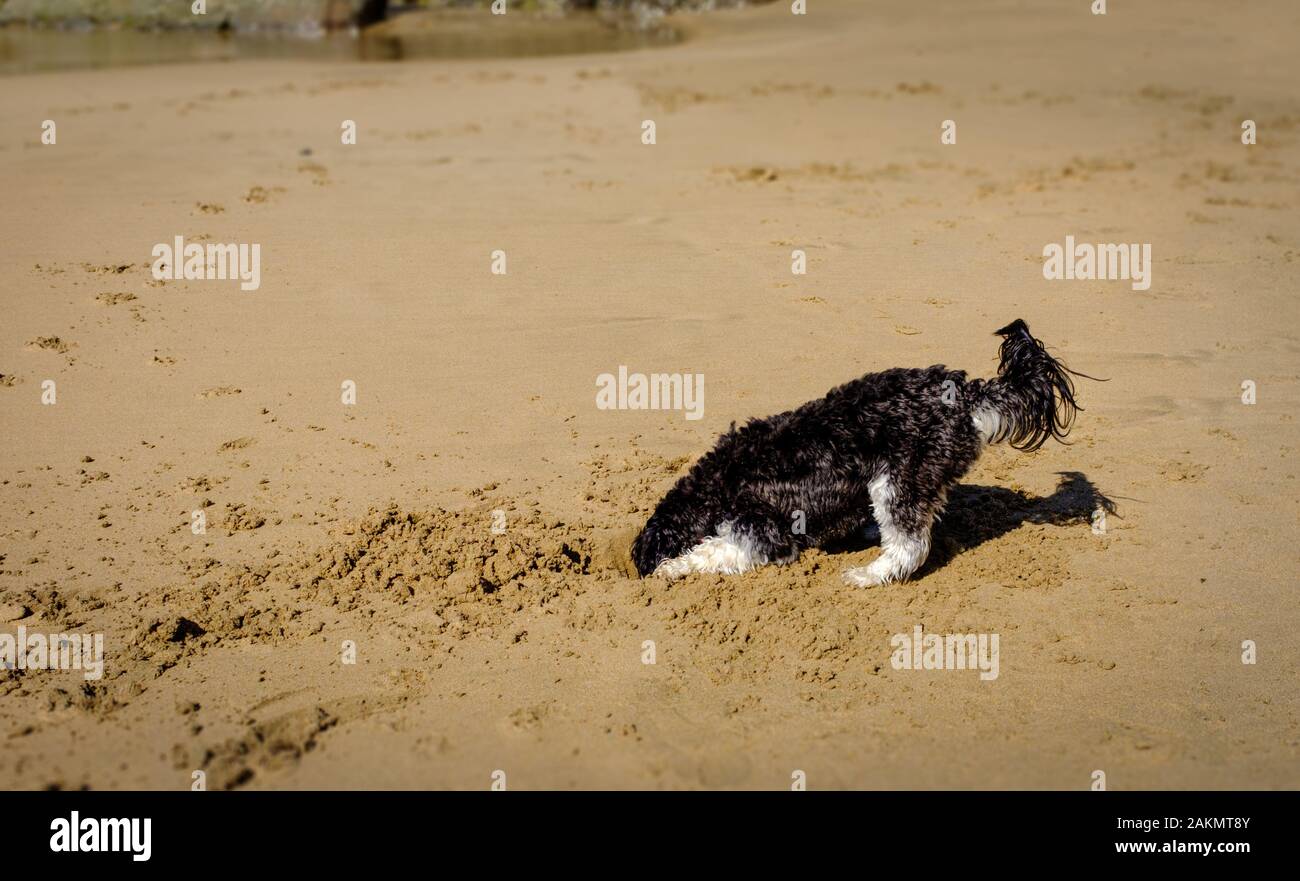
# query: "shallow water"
{"points": [[28, 50]]}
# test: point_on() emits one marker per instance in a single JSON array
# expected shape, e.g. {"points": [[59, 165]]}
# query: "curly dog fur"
{"points": [[887, 445]]}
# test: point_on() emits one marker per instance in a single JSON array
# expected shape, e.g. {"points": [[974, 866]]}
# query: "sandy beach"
{"points": [[461, 531]]}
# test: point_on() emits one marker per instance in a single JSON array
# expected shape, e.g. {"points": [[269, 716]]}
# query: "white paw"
{"points": [[861, 576], [880, 571], [671, 570]]}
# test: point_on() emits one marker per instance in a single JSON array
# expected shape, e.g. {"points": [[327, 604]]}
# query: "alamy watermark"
{"points": [[953, 651], [657, 391], [195, 262], [1102, 262], [78, 834], [56, 651]]}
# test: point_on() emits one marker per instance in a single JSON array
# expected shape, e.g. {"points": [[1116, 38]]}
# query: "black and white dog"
{"points": [[889, 444]]}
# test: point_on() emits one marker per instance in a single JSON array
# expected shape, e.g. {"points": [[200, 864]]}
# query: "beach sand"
{"points": [[523, 650]]}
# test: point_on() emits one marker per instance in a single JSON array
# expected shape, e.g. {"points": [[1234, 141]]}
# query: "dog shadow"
{"points": [[976, 514]]}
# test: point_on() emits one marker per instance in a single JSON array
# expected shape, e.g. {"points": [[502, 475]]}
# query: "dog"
{"points": [[888, 445]]}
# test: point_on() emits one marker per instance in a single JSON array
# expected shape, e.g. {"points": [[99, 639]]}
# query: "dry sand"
{"points": [[522, 651]]}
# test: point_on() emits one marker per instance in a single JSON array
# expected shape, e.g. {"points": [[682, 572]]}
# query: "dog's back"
{"points": [[809, 469]]}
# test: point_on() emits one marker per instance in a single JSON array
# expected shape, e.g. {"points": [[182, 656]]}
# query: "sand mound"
{"points": [[450, 566]]}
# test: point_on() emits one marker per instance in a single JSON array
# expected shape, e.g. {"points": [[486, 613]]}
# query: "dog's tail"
{"points": [[1032, 398]]}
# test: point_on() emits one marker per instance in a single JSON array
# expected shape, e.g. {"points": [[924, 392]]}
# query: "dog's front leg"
{"points": [[753, 537]]}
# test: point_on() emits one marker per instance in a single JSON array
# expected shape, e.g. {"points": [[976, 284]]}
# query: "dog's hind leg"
{"points": [[905, 516]]}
